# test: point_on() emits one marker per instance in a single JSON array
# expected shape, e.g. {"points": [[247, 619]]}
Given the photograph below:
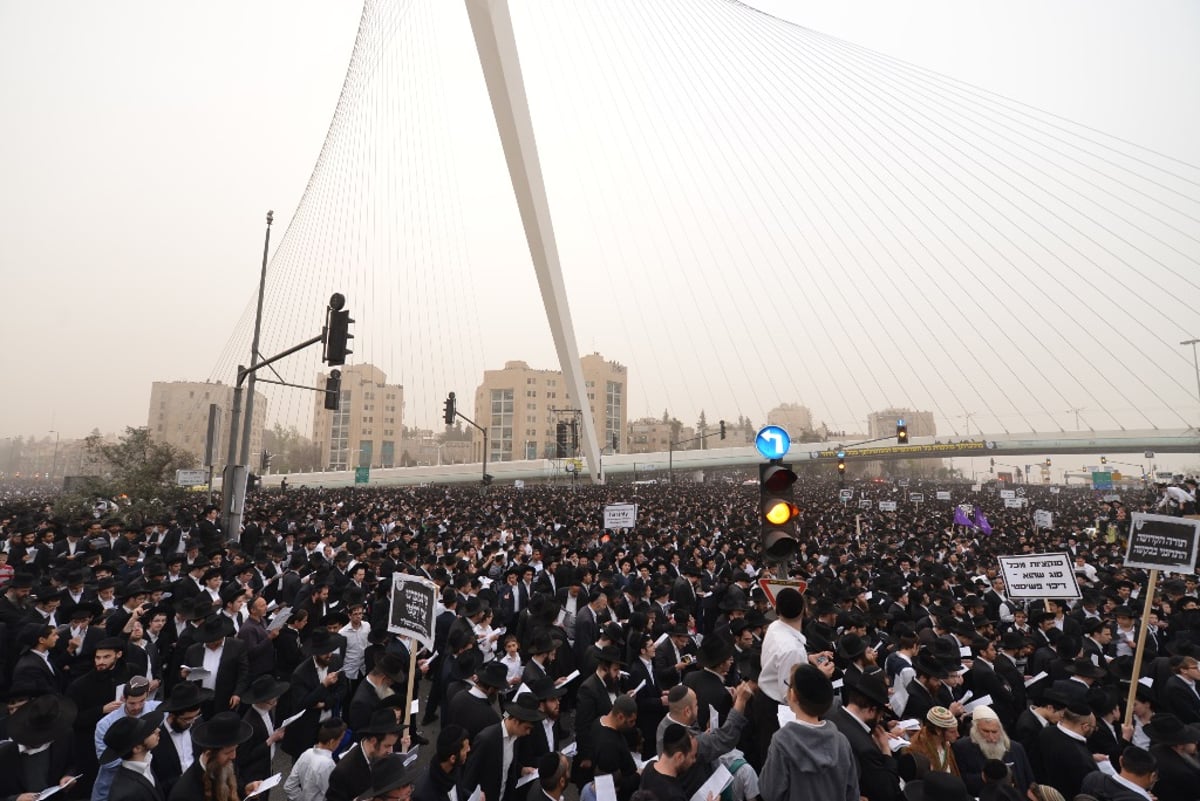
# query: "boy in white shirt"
{"points": [[309, 778]]}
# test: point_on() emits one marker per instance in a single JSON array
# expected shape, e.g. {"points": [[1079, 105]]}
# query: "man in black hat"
{"points": [[318, 687], [983, 679], [444, 771], [131, 741], [492, 764], [175, 753], [475, 708], [1066, 758], [40, 753], [675, 655], [354, 773], [389, 670], [225, 660], [549, 733], [587, 623], [214, 773], [715, 659], [392, 780], [593, 700], [1082, 675], [1174, 745], [860, 719], [254, 761]]}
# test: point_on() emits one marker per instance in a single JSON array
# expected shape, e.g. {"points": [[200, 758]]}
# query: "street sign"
{"points": [[362, 475], [772, 442], [1039, 575], [1161, 542], [772, 586], [1043, 518], [620, 515], [1102, 481], [191, 478]]}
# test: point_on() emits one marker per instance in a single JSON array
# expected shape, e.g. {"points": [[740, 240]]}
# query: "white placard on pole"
{"points": [[1039, 575]]}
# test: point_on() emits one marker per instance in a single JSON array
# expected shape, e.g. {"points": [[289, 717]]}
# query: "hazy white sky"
{"points": [[694, 168]]}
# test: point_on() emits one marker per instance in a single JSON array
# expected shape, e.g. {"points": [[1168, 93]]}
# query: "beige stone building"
{"points": [[365, 429], [179, 416], [652, 435], [883, 423], [517, 406], [792, 417], [424, 447]]}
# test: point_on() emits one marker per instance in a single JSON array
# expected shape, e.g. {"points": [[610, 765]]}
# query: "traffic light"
{"points": [[265, 464], [777, 510], [841, 457], [333, 389], [1103, 460], [992, 466], [901, 432], [337, 331], [560, 440], [450, 409], [487, 479], [1047, 461], [722, 429]]}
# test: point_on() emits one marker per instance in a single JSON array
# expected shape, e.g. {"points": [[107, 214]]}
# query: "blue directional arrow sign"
{"points": [[772, 442]]}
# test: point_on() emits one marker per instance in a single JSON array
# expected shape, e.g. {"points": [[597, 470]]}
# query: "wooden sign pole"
{"points": [[412, 677], [1141, 646]]}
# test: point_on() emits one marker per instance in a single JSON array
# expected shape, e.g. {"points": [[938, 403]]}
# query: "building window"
{"points": [[500, 430], [531, 450], [613, 412]]}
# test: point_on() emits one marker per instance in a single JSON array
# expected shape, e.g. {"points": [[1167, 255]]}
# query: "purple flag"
{"points": [[960, 517], [981, 521]]}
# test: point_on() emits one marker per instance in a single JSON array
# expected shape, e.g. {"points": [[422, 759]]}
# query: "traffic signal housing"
{"points": [[333, 389], [1103, 460], [777, 510], [722, 422], [901, 432], [450, 409], [337, 332]]}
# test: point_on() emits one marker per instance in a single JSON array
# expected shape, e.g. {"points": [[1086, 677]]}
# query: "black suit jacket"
{"points": [[472, 713], [1067, 761], [350, 777], [1177, 780], [166, 766], [31, 671], [710, 691], [306, 692], [878, 775], [129, 785], [485, 763], [1179, 699], [254, 755], [592, 703], [363, 702], [12, 777], [984, 680], [233, 671]]}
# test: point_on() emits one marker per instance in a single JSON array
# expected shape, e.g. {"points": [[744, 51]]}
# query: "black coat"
{"points": [[350, 777], [710, 692], [129, 785], [1180, 700], [984, 680], [472, 713], [233, 671], [592, 703], [484, 764], [165, 764], [254, 755], [1069, 761], [1106, 788], [306, 692], [32, 672], [878, 775], [12, 775], [363, 702], [434, 784], [1177, 780]]}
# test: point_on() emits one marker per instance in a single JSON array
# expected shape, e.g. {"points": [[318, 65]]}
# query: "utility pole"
{"points": [[262, 285]]}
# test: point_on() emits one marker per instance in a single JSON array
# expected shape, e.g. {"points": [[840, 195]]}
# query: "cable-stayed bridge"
{"points": [[745, 212]]}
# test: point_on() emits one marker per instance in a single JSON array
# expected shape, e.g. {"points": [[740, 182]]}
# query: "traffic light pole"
{"points": [[233, 481], [484, 480], [671, 450], [262, 286]]}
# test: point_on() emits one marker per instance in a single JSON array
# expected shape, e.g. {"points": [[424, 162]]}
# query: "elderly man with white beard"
{"points": [[988, 740]]}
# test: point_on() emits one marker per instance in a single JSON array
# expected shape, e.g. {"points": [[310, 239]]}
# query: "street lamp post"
{"points": [[54, 459], [1195, 362]]}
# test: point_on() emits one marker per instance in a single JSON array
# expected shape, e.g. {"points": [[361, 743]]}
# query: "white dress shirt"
{"points": [[783, 648], [212, 661]]}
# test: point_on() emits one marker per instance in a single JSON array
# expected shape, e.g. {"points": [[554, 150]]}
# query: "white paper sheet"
{"points": [[978, 702], [570, 677], [714, 784], [1146, 681], [714, 717], [280, 620], [605, 789], [569, 749], [912, 724], [120, 692], [1032, 680], [267, 784], [292, 719], [49, 791], [526, 779], [785, 715], [638, 688], [197, 674]]}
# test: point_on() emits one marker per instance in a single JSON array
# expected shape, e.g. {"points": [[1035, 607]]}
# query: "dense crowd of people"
{"points": [[165, 658]]}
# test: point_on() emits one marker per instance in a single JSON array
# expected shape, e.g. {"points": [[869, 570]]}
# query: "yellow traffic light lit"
{"points": [[779, 512]]}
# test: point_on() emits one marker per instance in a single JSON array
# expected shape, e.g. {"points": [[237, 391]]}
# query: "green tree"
{"points": [[135, 469]]}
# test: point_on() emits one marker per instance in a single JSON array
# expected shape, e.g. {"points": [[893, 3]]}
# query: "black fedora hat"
{"points": [[88, 609], [1084, 667], [186, 695], [264, 688], [525, 708], [493, 674], [610, 655], [926, 664], [714, 651], [872, 686], [42, 720], [388, 774], [1168, 729], [544, 689], [321, 642], [224, 730], [937, 786], [851, 647], [542, 643], [392, 666], [211, 630], [127, 732], [383, 721]]}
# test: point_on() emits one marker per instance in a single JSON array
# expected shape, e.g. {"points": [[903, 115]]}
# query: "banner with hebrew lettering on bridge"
{"points": [[1039, 575]]}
